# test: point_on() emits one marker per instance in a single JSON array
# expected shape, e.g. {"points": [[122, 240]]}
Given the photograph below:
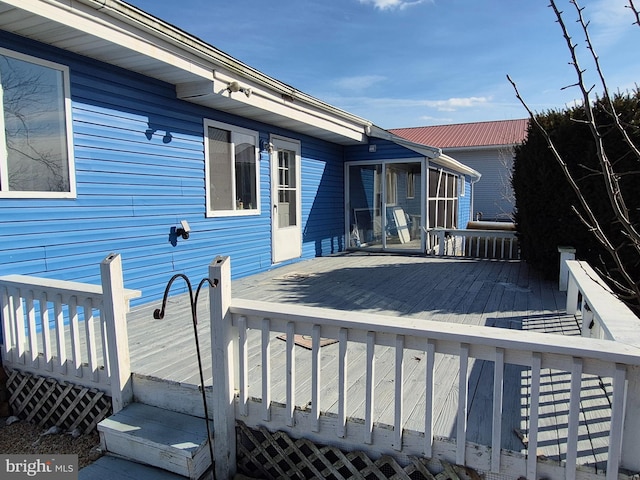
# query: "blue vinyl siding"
{"points": [[464, 204], [139, 160], [323, 203], [385, 150]]}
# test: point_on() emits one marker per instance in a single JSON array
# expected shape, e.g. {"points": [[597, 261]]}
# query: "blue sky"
{"points": [[405, 63]]}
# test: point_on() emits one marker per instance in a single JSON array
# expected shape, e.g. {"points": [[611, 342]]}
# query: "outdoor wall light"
{"points": [[233, 87], [267, 146], [184, 229], [151, 131]]}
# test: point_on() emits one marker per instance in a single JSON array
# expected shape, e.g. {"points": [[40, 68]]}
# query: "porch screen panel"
{"points": [[221, 169], [443, 199], [365, 198]]}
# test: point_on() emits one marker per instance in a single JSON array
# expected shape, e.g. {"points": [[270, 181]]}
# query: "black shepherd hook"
{"points": [[158, 314]]}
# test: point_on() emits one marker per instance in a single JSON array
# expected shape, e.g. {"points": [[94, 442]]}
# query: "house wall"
{"points": [[493, 194], [464, 204], [385, 150], [135, 182]]}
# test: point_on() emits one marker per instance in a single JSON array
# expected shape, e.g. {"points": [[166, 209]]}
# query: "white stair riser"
{"points": [[164, 439]]}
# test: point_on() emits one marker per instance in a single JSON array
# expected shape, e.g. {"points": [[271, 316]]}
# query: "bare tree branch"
{"points": [[596, 61], [611, 180], [635, 12]]}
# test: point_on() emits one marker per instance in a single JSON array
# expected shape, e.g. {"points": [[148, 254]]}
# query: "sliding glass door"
{"points": [[385, 205]]}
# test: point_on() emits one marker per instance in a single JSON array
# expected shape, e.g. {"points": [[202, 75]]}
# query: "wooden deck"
{"points": [[503, 294]]}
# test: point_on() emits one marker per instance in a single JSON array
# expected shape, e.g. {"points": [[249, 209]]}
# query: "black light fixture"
{"points": [[184, 229]]}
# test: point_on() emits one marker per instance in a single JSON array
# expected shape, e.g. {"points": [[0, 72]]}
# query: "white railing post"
{"points": [[222, 362], [441, 244], [114, 310], [573, 292], [566, 253], [631, 431]]}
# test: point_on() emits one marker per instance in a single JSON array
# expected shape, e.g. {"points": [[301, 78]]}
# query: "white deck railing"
{"points": [[474, 243], [233, 319], [70, 331], [604, 316], [38, 338]]}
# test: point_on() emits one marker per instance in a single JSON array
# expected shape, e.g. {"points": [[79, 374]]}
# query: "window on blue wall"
{"points": [[232, 170], [36, 149], [442, 199]]}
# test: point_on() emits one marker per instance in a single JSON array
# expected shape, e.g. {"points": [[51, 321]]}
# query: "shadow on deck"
{"points": [[502, 294]]}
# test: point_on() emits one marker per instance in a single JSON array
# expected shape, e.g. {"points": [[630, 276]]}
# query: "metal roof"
{"points": [[462, 135]]}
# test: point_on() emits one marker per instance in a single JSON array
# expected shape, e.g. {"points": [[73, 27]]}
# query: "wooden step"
{"points": [[110, 468], [161, 438]]}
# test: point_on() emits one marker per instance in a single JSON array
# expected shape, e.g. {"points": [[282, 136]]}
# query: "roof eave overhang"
{"points": [[434, 154], [114, 32]]}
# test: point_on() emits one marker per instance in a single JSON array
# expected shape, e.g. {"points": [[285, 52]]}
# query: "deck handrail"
{"points": [[70, 331], [576, 355], [605, 316], [474, 243]]}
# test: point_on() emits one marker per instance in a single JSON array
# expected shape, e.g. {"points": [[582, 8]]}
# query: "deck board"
{"points": [[503, 294]]}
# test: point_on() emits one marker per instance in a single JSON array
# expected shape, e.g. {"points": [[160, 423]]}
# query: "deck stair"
{"points": [[154, 436]]}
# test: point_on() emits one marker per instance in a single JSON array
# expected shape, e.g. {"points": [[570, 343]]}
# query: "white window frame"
{"points": [[411, 185], [442, 195], [233, 129], [4, 167], [391, 190]]}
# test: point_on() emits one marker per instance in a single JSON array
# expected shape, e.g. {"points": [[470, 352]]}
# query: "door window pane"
{"points": [[287, 208]]}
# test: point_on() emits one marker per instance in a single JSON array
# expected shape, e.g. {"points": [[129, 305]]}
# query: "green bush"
{"points": [[544, 199]]}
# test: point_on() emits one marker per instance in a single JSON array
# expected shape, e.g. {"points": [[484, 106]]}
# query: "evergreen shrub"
{"points": [[544, 215]]}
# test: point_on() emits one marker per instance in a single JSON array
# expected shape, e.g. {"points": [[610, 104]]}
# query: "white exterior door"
{"points": [[285, 199]]}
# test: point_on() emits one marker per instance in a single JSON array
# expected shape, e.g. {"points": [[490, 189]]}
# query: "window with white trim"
{"points": [[392, 186], [36, 142], [443, 199], [411, 185], [232, 170]]}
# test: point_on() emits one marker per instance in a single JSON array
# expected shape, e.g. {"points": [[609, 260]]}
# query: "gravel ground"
{"points": [[27, 439]]}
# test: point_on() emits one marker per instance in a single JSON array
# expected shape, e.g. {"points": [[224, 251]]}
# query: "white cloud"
{"points": [[359, 82], [609, 21], [392, 4], [453, 104], [436, 120], [449, 105]]}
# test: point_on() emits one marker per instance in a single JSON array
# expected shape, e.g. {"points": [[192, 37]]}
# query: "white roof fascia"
{"points": [[433, 153], [184, 60], [449, 162]]}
